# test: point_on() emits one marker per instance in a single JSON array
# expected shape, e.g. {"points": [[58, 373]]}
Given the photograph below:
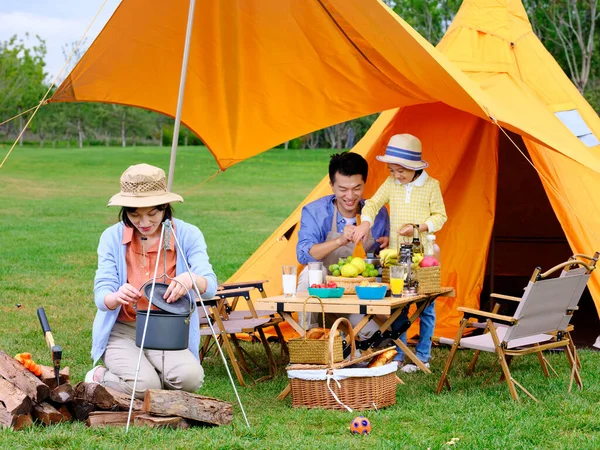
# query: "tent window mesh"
{"points": [[575, 123]]}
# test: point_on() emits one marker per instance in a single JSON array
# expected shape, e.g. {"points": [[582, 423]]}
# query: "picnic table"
{"points": [[391, 307]]}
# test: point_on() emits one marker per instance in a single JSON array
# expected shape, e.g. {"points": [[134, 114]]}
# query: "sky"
{"points": [[58, 22]]}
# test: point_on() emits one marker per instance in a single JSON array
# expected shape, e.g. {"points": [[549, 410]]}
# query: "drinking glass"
{"points": [[289, 281], [397, 276], [315, 273]]}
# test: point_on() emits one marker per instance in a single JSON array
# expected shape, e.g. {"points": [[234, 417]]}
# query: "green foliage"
{"points": [[53, 204]]}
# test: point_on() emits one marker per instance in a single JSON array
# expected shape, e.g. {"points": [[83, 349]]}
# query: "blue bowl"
{"points": [[371, 292], [327, 292]]}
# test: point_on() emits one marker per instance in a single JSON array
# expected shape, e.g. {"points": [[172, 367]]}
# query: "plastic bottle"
{"points": [[432, 248]]}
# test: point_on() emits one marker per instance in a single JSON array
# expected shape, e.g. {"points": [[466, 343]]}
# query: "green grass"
{"points": [[53, 211]]}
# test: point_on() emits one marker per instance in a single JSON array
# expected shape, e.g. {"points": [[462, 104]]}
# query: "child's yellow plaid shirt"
{"points": [[419, 201]]}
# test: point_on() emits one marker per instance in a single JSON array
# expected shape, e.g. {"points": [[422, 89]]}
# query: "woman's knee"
{"points": [[147, 380], [189, 377]]}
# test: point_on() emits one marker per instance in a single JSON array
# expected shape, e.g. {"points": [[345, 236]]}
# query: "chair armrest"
{"points": [[469, 312], [229, 293], [505, 297], [256, 284]]}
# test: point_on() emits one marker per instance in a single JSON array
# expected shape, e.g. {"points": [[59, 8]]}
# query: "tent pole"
{"points": [[184, 66]]}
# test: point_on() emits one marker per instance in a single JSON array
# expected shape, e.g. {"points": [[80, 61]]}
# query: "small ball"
{"points": [[360, 425]]}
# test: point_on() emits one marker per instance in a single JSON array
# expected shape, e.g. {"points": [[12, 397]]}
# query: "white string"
{"points": [[330, 377], [212, 330]]}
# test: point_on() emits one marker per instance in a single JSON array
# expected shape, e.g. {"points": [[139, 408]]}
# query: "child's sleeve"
{"points": [[374, 204], [438, 216]]}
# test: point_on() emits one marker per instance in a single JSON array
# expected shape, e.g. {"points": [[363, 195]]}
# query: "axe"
{"points": [[55, 350]]}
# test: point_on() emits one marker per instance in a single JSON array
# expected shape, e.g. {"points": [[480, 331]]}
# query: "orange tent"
{"points": [[263, 72]]}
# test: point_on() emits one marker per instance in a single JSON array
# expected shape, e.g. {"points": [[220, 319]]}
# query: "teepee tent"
{"points": [[491, 41], [263, 72]]}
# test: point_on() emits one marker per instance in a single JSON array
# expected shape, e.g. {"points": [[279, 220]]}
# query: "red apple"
{"points": [[429, 261]]}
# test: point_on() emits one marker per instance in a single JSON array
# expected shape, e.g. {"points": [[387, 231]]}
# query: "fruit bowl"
{"points": [[371, 292], [336, 292]]}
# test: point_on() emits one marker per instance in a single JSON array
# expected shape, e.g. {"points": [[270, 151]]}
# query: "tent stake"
{"points": [[184, 66]]}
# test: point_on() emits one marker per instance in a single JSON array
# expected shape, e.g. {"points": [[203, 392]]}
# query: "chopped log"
{"points": [[17, 374], [111, 418], [14, 399], [105, 398], [49, 379], [162, 422], [16, 422], [80, 409], [64, 410], [191, 406], [62, 394], [47, 414]]}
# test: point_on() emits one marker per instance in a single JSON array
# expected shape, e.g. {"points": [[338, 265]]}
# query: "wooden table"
{"points": [[391, 307]]}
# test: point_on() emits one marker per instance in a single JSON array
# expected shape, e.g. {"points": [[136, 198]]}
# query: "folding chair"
{"points": [[234, 313], [539, 323], [230, 322], [501, 300]]}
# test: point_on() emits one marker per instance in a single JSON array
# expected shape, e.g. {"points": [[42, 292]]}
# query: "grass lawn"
{"points": [[53, 212]]}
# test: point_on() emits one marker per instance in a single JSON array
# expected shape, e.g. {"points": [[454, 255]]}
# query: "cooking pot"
{"points": [[169, 326]]}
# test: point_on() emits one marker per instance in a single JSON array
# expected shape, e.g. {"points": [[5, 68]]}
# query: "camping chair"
{"points": [[501, 300], [540, 323], [233, 312], [231, 322]]}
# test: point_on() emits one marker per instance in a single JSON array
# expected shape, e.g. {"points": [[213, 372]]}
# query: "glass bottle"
{"points": [[434, 248], [416, 243]]}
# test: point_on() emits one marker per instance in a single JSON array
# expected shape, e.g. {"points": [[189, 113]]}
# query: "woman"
{"points": [[127, 255]]}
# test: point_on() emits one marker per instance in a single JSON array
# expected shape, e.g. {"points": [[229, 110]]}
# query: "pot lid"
{"points": [[181, 306]]}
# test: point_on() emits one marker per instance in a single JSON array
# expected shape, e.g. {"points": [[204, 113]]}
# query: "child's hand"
{"points": [[360, 232], [406, 230]]}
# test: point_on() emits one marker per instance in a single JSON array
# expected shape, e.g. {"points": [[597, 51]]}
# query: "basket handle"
{"points": [[304, 311], [332, 333]]}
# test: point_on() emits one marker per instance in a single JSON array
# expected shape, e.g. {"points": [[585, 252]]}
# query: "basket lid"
{"points": [[184, 305]]}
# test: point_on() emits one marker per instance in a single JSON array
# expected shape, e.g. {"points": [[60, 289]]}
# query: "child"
{"points": [[414, 198]]}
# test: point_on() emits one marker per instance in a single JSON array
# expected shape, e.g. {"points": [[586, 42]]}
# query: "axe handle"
{"points": [[45, 327]]}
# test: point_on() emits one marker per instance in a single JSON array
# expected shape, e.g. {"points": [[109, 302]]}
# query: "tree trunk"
{"points": [[185, 137], [123, 140], [286, 145], [161, 136]]}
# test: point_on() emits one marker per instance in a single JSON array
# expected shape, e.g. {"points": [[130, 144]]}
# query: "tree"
{"points": [[568, 29]]}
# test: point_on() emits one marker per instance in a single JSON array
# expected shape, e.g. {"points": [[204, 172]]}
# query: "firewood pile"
{"points": [[26, 398]]}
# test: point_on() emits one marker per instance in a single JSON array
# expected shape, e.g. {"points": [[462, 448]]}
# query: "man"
{"points": [[327, 224]]}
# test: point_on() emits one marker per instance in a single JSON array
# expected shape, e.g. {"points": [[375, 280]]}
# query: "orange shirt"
{"points": [[140, 269]]}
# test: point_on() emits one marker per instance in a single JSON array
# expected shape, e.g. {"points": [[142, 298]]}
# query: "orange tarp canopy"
{"points": [[263, 72]]}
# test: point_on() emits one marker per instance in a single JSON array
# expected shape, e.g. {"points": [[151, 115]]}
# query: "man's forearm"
{"points": [[320, 251]]}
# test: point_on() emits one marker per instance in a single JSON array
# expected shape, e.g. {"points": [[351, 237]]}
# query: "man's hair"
{"points": [[348, 164], [167, 208]]}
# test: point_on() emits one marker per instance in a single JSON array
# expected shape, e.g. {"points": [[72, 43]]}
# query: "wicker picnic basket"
{"points": [[374, 388], [349, 284], [314, 351], [429, 279]]}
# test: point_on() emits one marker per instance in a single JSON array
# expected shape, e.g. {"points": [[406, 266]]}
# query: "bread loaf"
{"points": [[383, 358]]}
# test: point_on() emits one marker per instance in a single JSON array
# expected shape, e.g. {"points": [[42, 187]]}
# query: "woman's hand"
{"points": [[346, 235], [125, 295], [176, 288], [360, 232]]}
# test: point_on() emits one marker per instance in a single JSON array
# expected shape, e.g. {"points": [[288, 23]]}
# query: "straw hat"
{"points": [[405, 150], [142, 186]]}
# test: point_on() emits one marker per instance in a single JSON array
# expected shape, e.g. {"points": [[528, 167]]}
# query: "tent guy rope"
{"points": [[43, 100]]}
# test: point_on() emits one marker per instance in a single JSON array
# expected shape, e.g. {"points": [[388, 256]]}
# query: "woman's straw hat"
{"points": [[143, 186], [404, 150]]}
